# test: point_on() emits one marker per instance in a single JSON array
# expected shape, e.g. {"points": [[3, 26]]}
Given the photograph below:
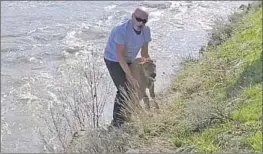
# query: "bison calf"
{"points": [[145, 74]]}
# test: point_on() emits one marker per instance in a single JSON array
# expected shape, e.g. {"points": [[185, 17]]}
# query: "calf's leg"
{"points": [[152, 94], [146, 99]]}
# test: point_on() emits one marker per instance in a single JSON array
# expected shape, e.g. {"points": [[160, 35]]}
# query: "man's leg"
{"points": [[119, 79]]}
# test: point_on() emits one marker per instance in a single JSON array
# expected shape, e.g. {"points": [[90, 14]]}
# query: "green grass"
{"points": [[216, 101], [205, 140], [255, 142], [217, 104], [231, 71], [251, 109]]}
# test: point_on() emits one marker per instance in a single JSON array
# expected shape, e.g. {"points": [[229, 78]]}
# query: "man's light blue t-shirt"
{"points": [[124, 34]]}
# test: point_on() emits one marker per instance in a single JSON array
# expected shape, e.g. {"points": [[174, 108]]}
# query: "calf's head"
{"points": [[149, 69]]}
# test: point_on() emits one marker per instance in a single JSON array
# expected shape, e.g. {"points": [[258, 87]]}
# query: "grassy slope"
{"points": [[216, 102]]}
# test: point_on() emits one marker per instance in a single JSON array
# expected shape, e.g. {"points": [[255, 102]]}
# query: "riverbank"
{"points": [[215, 102]]}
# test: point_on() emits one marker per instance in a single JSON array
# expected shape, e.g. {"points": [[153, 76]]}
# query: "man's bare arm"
{"points": [[121, 59], [144, 51]]}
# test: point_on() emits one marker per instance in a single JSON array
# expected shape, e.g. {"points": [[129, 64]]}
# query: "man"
{"points": [[124, 43]]}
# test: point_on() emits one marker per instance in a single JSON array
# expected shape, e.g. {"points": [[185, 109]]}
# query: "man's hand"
{"points": [[133, 82], [144, 60]]}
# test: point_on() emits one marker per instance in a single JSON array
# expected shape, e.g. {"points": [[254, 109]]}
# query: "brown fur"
{"points": [[142, 73]]}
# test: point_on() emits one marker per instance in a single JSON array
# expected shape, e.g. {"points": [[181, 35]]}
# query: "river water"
{"points": [[37, 38]]}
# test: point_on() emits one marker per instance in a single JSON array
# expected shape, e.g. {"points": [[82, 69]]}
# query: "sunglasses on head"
{"points": [[141, 20]]}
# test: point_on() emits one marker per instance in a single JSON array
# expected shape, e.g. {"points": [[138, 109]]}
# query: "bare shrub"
{"points": [[77, 103]]}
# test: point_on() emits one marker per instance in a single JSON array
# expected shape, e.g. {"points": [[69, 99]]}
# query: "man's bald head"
{"points": [[139, 18], [141, 12]]}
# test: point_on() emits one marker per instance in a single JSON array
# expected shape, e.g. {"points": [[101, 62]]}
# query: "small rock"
{"points": [[202, 49], [189, 149], [72, 50], [181, 149], [242, 6]]}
